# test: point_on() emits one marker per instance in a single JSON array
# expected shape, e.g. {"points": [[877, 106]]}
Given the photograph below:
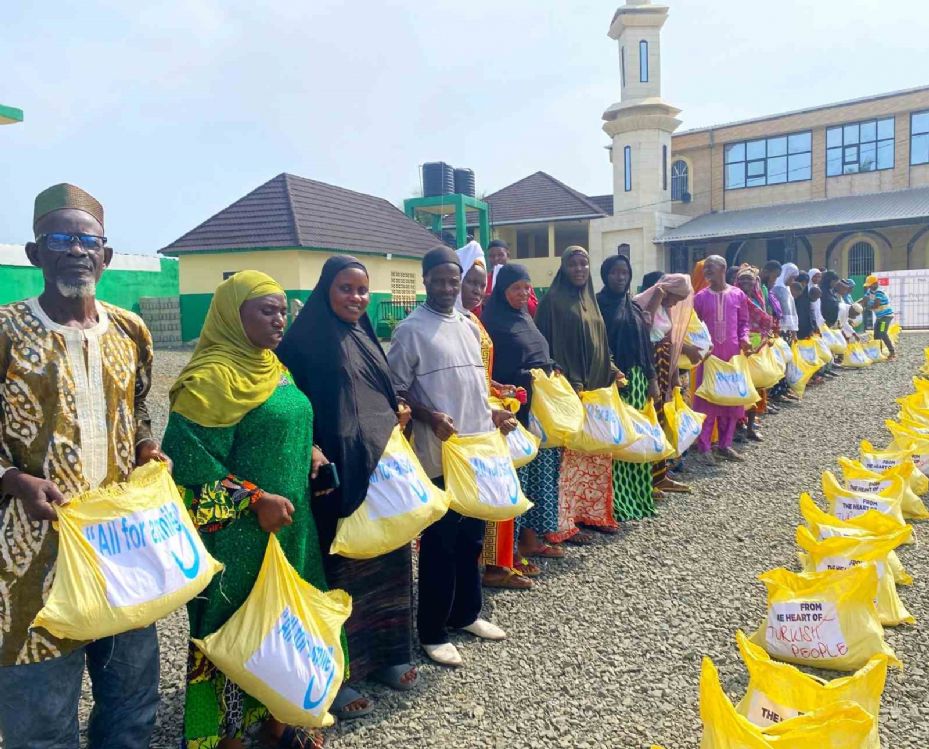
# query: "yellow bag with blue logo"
{"points": [[778, 691], [799, 370], [607, 427], [855, 357], [807, 350], [401, 502], [523, 444], [697, 335], [842, 553], [128, 555], [834, 340], [480, 478], [823, 619], [825, 353], [869, 525], [874, 351], [282, 645], [837, 725], [846, 504], [683, 423], [727, 383], [556, 408], [782, 350], [860, 479], [651, 444], [765, 368]]}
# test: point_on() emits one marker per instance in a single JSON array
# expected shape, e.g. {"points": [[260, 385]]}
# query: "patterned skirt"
{"points": [[539, 480], [586, 490], [632, 482]]}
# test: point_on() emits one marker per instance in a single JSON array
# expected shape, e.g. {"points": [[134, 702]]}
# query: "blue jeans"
{"points": [[39, 701]]}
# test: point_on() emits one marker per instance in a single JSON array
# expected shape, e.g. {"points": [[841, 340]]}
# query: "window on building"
{"points": [[622, 65], [623, 249], [643, 61], [769, 161], [919, 138], [860, 147], [532, 242], [680, 179], [402, 286], [569, 233], [680, 259], [627, 168], [229, 274], [664, 167], [861, 259]]}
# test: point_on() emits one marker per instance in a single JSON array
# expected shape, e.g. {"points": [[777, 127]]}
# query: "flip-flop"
{"points": [[346, 696], [392, 676], [581, 538], [547, 551], [527, 568], [512, 580]]}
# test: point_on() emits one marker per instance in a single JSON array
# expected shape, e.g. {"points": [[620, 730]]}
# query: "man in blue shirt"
{"points": [[876, 300]]}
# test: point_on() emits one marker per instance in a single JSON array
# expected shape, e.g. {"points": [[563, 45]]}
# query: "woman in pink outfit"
{"points": [[724, 310]]}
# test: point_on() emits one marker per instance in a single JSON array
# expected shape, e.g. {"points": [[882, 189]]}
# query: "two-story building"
{"points": [[843, 186]]}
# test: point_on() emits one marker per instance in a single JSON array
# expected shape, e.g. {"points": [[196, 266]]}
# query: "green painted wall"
{"points": [[120, 287]]}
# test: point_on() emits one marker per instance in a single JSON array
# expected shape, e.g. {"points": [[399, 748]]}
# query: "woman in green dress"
{"points": [[241, 437]]}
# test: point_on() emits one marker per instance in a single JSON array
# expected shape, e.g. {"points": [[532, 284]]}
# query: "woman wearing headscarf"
{"points": [[519, 348], [830, 300], [336, 360], [628, 332], [570, 320], [499, 540], [240, 434], [804, 304], [668, 330], [782, 292], [760, 327]]}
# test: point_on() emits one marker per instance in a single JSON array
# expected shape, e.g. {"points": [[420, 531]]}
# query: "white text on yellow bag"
{"points": [[128, 555]]}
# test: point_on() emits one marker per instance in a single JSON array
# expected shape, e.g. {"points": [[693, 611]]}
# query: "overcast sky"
{"points": [[168, 111]]}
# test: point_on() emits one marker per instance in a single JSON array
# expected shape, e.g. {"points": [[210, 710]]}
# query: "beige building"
{"points": [[842, 186]]}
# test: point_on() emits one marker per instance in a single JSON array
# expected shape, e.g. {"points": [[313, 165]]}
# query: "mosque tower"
{"points": [[640, 125]]}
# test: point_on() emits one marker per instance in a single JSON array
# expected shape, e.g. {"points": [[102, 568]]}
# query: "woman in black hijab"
{"points": [[336, 360], [628, 333], [829, 304], [519, 347]]}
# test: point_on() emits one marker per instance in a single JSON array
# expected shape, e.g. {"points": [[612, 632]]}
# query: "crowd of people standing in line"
{"points": [[261, 409]]}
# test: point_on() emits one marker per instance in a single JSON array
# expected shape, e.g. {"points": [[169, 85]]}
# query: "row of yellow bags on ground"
{"points": [[832, 613]]}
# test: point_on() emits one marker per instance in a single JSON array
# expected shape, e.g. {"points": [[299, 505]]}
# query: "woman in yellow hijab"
{"points": [[240, 434]]}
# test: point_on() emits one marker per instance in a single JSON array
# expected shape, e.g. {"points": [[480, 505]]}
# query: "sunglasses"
{"points": [[59, 242]]}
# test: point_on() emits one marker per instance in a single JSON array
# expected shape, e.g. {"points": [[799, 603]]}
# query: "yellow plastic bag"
{"points": [[128, 555], [860, 479], [881, 460], [727, 383], [846, 504], [839, 725], [778, 691], [834, 339], [799, 372], [683, 423], [874, 351], [920, 385], [400, 504], [808, 351], [842, 553], [651, 444], [825, 353], [697, 335], [480, 479], [607, 427], [555, 407], [893, 332], [870, 525], [855, 357], [823, 619], [523, 444], [765, 368], [282, 645], [906, 439], [782, 349]]}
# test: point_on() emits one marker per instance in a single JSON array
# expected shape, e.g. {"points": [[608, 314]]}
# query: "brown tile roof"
{"points": [[291, 211], [604, 201], [538, 197]]}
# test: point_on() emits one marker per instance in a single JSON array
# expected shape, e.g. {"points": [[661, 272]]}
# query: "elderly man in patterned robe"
{"points": [[74, 373]]}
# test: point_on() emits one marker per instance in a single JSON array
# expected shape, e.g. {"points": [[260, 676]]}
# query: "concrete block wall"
{"points": [[162, 315]]}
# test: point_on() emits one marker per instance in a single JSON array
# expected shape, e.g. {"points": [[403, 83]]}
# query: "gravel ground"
{"points": [[605, 652]]}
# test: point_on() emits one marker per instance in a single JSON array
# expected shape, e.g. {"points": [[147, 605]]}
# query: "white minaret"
{"points": [[640, 124]]}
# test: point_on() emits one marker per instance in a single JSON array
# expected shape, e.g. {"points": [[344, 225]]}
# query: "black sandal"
{"points": [[346, 696]]}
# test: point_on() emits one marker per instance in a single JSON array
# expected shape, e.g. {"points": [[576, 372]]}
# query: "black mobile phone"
{"points": [[327, 478]]}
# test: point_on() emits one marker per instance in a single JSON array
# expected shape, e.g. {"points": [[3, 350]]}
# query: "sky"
{"points": [[169, 110]]}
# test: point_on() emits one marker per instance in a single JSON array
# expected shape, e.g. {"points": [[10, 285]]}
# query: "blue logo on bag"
{"points": [[388, 469], [652, 432], [498, 470], [536, 426], [688, 425], [608, 416], [519, 440], [189, 571], [732, 380], [318, 655]]}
